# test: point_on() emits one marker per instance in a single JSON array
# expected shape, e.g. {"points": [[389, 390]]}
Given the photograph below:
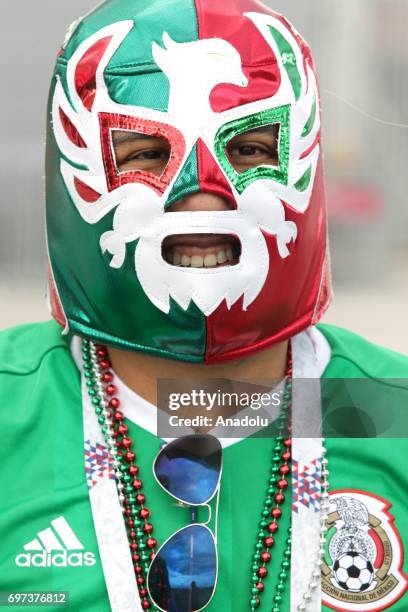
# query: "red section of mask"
{"points": [[71, 131], [57, 311], [85, 73], [325, 293], [110, 122], [287, 302], [227, 21], [86, 192], [210, 176]]}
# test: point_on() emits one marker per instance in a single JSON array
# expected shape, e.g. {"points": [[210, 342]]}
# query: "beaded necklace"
{"points": [[274, 501], [99, 380], [102, 391]]}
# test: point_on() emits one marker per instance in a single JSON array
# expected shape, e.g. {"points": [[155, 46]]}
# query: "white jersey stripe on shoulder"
{"points": [[50, 540], [66, 534], [33, 545]]}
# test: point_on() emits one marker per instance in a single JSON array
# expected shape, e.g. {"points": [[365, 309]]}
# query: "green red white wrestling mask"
{"points": [[196, 79]]}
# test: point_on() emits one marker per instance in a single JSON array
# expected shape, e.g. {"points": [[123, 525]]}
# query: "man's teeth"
{"points": [[221, 257], [211, 260], [197, 261]]}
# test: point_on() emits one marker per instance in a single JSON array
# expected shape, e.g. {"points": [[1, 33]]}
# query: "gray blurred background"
{"points": [[360, 49]]}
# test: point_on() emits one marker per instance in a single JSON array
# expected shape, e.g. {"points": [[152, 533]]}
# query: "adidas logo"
{"points": [[52, 548]]}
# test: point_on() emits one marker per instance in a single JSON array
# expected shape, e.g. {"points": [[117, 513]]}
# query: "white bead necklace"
{"points": [[324, 513]]}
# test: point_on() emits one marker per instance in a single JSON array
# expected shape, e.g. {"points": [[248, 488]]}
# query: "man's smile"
{"points": [[201, 250]]}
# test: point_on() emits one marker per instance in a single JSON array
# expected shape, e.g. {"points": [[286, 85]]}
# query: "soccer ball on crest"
{"points": [[353, 572]]}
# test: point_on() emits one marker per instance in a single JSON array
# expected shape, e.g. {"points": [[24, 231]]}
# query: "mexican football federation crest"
{"points": [[362, 566]]}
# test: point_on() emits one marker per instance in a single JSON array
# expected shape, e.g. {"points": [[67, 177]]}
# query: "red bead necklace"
{"points": [[130, 486]]}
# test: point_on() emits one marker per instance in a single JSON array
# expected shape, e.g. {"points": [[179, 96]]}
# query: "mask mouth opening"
{"points": [[203, 251]]}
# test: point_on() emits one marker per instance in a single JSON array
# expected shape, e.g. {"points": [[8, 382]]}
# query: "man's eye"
{"points": [[254, 148], [250, 155], [140, 152], [151, 154], [248, 150]]}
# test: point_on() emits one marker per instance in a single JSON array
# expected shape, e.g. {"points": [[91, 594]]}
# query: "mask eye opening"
{"points": [[139, 152], [254, 148], [278, 171], [166, 142]]}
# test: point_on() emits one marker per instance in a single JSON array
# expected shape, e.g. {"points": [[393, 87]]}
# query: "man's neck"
{"points": [[141, 372]]}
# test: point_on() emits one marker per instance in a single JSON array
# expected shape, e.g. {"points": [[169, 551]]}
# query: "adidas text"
{"points": [[55, 546], [55, 559]]}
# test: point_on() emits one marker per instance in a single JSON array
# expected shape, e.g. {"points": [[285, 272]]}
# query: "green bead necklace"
{"points": [[272, 511]]}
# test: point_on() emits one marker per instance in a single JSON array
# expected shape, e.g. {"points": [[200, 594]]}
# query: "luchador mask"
{"points": [[196, 75]]}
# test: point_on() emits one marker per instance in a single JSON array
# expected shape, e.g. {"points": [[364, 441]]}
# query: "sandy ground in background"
{"points": [[378, 315]]}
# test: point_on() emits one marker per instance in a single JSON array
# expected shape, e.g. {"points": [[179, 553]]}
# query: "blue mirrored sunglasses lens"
{"points": [[183, 574], [189, 468]]}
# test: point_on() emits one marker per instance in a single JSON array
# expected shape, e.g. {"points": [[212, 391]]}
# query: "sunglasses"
{"points": [[183, 574]]}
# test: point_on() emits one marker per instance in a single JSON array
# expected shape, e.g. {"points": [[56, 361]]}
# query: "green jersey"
{"points": [[47, 534]]}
